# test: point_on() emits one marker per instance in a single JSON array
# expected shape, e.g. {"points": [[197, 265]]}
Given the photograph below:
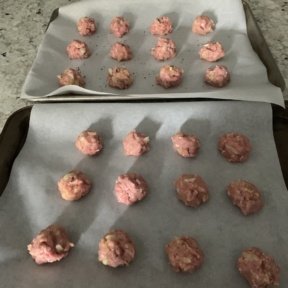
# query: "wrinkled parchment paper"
{"points": [[248, 74], [31, 201]]}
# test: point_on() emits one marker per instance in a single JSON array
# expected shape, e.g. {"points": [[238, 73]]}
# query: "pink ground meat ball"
{"points": [[119, 26], [136, 144], [246, 196], [184, 254], [203, 25], [217, 76], [74, 186], [89, 143], [211, 51], [161, 26], [192, 190], [130, 188], [165, 49], [170, 76], [78, 50], [120, 52], [258, 268], [86, 26], [50, 245], [119, 78], [71, 76], [116, 249], [235, 147], [185, 145]]}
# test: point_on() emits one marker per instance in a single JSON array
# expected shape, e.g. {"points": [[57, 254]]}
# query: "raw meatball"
{"points": [[74, 186], [86, 26], [89, 143], [211, 51], [203, 25], [184, 254], [192, 190], [50, 245], [185, 145], [135, 144], [258, 268], [170, 76], [119, 26], [116, 249], [130, 188], [78, 50], [119, 77], [165, 49], [235, 147], [71, 76], [161, 26], [120, 52], [217, 76], [246, 196]]}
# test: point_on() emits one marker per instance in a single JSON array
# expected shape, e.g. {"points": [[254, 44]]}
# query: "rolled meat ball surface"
{"points": [[245, 196], [161, 26], [89, 143], [212, 51], [74, 186], [217, 76], [135, 144], [234, 147], [120, 52], [130, 188], [258, 268], [71, 76], [116, 249], [119, 78], [170, 76], [185, 145], [203, 25], [165, 49], [119, 26], [50, 245], [192, 190], [86, 26], [78, 50], [184, 254]]}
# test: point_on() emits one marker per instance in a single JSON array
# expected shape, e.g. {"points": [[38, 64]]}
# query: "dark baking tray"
{"points": [[16, 128], [254, 34]]}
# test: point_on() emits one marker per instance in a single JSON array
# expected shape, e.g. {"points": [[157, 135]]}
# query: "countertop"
{"points": [[23, 23]]}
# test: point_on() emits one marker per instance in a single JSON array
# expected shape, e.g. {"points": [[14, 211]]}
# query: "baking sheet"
{"points": [[31, 201], [249, 77]]}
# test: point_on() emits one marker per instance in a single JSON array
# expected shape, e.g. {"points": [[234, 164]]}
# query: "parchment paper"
{"points": [[249, 78], [31, 201]]}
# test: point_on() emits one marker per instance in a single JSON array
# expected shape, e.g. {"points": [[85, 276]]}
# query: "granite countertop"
{"points": [[22, 25]]}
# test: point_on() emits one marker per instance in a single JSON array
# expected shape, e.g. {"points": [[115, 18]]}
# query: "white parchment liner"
{"points": [[31, 201], [248, 74]]}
